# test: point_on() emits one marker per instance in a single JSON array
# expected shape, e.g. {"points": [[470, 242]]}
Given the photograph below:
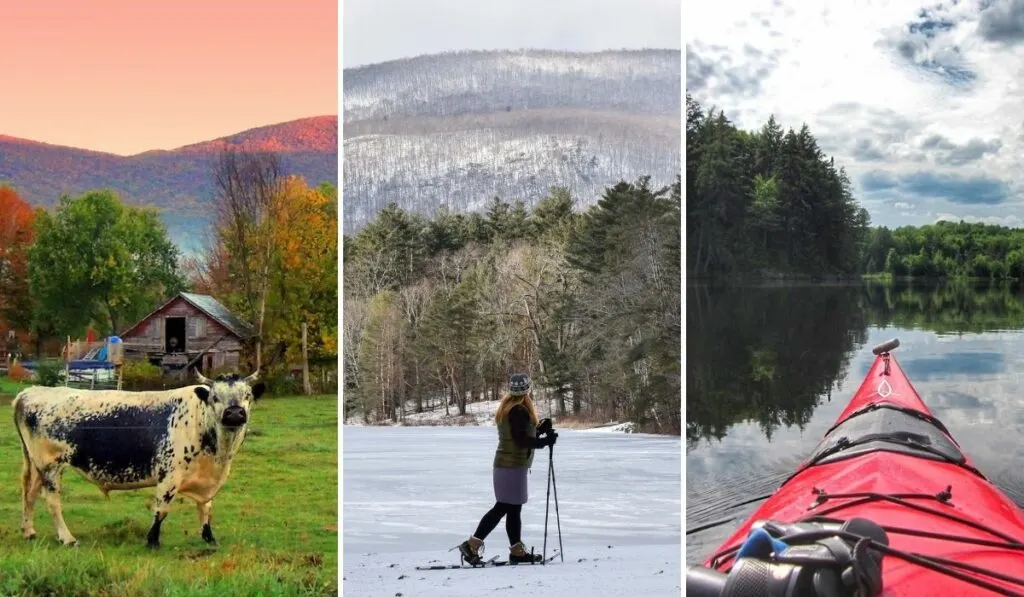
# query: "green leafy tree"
{"points": [[98, 261]]}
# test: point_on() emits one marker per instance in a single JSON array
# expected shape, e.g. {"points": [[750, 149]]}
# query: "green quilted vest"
{"points": [[508, 454]]}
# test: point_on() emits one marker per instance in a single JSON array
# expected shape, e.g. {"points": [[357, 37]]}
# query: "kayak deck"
{"points": [[888, 460]]}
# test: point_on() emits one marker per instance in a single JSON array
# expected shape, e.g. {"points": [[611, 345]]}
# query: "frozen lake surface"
{"points": [[412, 493]]}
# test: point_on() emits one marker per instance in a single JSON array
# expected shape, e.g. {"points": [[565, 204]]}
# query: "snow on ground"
{"points": [[614, 428], [412, 493], [479, 414]]}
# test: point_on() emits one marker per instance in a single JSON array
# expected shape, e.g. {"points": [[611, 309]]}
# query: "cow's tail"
{"points": [[19, 410]]}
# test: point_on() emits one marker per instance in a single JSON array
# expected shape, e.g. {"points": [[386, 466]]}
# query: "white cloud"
{"points": [[923, 105]]}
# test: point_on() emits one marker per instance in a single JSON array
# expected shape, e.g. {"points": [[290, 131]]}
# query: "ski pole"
{"points": [[558, 520], [547, 504]]}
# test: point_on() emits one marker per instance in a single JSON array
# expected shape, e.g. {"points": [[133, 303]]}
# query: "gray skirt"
{"points": [[510, 485]]}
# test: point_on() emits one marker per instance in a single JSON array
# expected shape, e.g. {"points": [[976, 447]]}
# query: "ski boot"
{"points": [[517, 554], [470, 550]]}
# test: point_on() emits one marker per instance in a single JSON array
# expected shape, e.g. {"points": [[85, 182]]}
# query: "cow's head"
{"points": [[230, 397]]}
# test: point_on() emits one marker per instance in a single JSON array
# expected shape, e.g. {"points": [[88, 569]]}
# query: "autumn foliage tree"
{"points": [[273, 257], [16, 236], [304, 273]]}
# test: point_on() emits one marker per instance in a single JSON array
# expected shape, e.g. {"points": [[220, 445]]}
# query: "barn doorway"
{"points": [[174, 334]]}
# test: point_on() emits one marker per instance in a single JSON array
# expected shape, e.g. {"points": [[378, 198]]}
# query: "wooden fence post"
{"points": [[305, 363]]}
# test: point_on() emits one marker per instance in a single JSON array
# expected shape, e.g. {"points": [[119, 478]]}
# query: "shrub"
{"points": [[280, 383], [48, 374], [141, 375], [18, 372]]}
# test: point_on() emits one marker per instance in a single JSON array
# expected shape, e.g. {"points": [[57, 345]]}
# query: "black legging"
{"points": [[513, 521]]}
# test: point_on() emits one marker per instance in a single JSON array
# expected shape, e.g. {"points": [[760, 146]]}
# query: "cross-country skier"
{"points": [[519, 434]]}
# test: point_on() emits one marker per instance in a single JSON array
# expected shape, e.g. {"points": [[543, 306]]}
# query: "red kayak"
{"points": [[887, 504]]}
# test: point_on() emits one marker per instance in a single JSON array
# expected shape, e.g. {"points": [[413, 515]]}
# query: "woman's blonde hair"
{"points": [[509, 401]]}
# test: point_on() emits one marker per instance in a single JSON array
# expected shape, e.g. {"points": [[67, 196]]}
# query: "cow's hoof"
{"points": [[208, 535], [152, 545], [30, 536], [72, 543]]}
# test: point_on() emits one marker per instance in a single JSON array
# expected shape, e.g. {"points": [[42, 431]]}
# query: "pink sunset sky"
{"points": [[127, 76]]}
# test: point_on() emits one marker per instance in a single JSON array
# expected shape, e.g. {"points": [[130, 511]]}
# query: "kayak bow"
{"points": [[886, 504]]}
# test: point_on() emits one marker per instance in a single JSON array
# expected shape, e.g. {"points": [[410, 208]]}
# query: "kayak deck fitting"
{"points": [[887, 504]]}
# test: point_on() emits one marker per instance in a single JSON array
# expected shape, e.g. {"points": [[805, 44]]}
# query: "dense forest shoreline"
{"points": [[769, 205]]}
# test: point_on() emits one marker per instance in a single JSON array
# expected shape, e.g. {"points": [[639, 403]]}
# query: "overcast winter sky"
{"points": [[923, 103], [381, 30]]}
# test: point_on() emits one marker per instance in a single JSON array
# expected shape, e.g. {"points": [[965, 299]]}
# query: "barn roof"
{"points": [[216, 310], [213, 308]]}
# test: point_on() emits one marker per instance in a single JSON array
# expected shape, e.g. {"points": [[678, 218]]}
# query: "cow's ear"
{"points": [[204, 393], [257, 390]]}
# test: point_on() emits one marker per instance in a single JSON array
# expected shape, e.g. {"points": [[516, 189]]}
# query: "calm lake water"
{"points": [[770, 369]]}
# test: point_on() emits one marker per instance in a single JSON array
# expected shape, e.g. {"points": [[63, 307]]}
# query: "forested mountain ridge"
{"points": [[481, 82], [459, 129], [180, 182]]}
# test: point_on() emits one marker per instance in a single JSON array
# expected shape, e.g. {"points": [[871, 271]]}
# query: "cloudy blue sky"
{"points": [[922, 103]]}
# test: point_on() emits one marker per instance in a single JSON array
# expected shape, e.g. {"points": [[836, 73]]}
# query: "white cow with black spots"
{"points": [[180, 441]]}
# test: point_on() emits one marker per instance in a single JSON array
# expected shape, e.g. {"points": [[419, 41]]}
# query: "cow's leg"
{"points": [[165, 492], [51, 481], [204, 520], [31, 484]]}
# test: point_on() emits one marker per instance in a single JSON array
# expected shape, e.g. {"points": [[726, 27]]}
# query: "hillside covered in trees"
{"points": [[767, 200], [439, 310], [461, 128], [947, 250], [177, 182]]}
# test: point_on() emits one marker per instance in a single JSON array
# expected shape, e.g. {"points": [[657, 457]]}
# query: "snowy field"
{"points": [[412, 493]]}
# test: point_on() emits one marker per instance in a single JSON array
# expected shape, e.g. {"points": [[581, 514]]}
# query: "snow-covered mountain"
{"points": [[457, 129]]}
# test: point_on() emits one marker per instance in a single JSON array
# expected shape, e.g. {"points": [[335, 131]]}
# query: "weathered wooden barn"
{"points": [[190, 330]]}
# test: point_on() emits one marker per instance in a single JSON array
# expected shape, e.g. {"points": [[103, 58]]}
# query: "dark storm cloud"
{"points": [[973, 190], [951, 154], [1002, 21], [698, 71], [876, 180], [865, 150]]}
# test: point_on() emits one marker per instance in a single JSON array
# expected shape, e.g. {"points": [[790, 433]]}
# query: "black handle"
{"points": [[704, 582]]}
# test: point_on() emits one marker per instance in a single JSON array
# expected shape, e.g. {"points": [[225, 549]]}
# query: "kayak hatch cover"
{"points": [[887, 504]]}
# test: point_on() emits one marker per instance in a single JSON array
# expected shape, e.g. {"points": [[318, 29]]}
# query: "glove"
{"points": [[544, 426]]}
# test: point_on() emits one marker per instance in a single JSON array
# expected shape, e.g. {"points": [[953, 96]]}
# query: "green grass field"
{"points": [[11, 388], [275, 520]]}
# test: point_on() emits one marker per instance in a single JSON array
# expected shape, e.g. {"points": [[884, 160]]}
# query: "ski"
{"points": [[483, 564], [491, 563], [541, 563]]}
